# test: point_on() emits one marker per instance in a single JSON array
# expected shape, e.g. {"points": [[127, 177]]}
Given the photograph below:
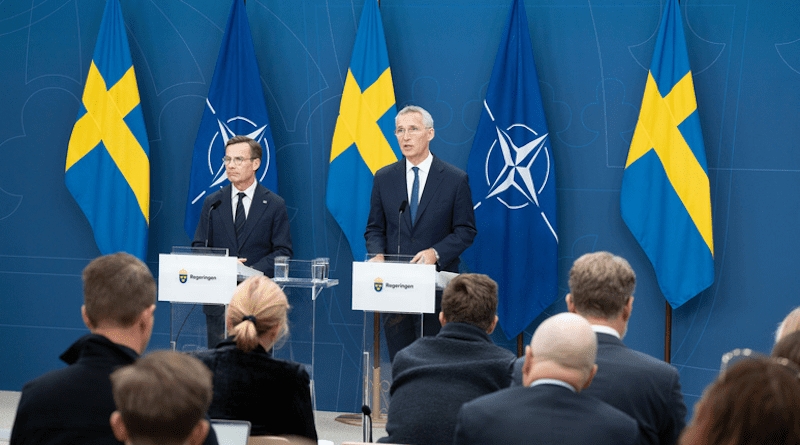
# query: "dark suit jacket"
{"points": [[445, 218], [435, 375], [543, 415], [645, 388], [642, 386], [273, 395], [266, 232], [72, 405]]}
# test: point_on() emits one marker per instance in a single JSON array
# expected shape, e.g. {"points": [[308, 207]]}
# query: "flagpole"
{"points": [[519, 345], [668, 333]]}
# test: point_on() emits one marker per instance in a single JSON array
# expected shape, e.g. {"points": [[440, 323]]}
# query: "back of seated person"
{"points": [[273, 395], [434, 376], [756, 401], [161, 399]]}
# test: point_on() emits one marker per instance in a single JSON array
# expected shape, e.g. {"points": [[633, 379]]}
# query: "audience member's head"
{"points": [[789, 324], [257, 314], [755, 401], [119, 299], [564, 347], [601, 289], [162, 399], [788, 347], [470, 298]]}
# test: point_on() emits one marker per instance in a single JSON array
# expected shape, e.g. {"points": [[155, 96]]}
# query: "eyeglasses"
{"points": [[237, 161], [413, 131], [731, 358]]}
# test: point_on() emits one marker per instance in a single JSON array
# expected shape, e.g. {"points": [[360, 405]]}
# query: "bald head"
{"points": [[789, 324], [563, 347], [566, 339]]}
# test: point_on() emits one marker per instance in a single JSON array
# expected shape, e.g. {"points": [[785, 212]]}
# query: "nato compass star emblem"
{"points": [[516, 162], [222, 135]]}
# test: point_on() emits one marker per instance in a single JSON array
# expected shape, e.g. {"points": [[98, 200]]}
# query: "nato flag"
{"points": [[512, 177]]}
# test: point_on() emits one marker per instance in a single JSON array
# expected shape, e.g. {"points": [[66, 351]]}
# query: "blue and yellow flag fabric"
{"points": [[512, 178], [108, 166], [235, 106], [665, 198], [363, 140]]}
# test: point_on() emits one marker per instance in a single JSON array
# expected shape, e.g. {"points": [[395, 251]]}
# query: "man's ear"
{"points": [[591, 377], [570, 304], [527, 366], [85, 317], [627, 309], [199, 433], [118, 426], [256, 164], [145, 320], [442, 321], [494, 325]]}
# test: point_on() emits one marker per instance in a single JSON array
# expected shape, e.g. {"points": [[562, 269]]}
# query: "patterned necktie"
{"points": [[414, 195], [238, 222]]}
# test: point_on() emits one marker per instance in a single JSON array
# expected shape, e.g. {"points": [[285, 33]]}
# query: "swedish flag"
{"points": [[665, 197], [108, 165], [363, 140]]}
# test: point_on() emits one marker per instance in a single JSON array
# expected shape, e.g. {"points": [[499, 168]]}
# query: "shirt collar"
{"points": [[424, 166], [600, 329], [552, 382], [249, 191]]}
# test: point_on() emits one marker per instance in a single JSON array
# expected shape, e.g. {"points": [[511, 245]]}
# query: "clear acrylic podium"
{"points": [[190, 277], [306, 274], [394, 285]]}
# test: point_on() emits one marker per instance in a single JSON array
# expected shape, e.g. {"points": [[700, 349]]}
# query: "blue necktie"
{"points": [[238, 222], [414, 195]]}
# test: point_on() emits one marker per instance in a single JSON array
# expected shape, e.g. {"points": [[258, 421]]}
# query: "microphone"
{"points": [[403, 206], [367, 412], [208, 225]]}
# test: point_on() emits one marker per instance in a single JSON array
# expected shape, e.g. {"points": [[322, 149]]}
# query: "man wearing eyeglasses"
{"points": [[433, 203], [246, 218]]}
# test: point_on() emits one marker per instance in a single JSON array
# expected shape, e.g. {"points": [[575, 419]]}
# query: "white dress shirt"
{"points": [[246, 201]]}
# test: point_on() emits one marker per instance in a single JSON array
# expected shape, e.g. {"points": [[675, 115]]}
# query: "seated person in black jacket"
{"points": [[434, 376], [161, 399], [273, 395], [72, 405]]}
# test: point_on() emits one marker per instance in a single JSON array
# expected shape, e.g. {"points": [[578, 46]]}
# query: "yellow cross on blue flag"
{"points": [[363, 140], [108, 166], [665, 198]]}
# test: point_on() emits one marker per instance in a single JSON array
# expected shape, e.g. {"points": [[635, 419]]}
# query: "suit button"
{"points": [[413, 240]]}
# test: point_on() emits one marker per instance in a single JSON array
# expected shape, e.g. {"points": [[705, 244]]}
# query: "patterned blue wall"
{"points": [[592, 58]]}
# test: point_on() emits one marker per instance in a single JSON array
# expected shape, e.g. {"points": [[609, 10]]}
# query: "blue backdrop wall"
{"points": [[592, 58]]}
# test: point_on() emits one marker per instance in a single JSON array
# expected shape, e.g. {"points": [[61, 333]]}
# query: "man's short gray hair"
{"points": [[427, 119]]}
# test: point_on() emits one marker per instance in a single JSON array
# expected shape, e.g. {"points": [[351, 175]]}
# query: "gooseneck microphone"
{"points": [[367, 412], [403, 206], [208, 225]]}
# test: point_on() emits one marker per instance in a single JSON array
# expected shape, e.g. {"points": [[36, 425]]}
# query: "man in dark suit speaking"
{"points": [[246, 218], [431, 201]]}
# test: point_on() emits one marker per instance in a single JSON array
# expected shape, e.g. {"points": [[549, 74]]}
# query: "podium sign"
{"points": [[196, 278], [394, 287]]}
